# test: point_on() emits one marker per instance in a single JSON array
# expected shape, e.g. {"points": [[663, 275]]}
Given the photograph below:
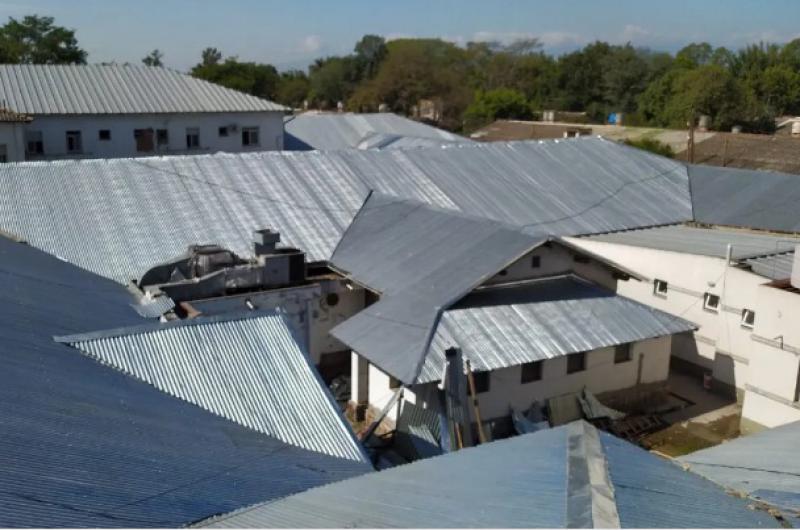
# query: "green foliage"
{"points": [[257, 79], [500, 103], [38, 40], [293, 88], [652, 145], [153, 58]]}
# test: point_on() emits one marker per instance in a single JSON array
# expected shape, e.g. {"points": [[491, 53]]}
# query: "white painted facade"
{"points": [[12, 141], [121, 141]]}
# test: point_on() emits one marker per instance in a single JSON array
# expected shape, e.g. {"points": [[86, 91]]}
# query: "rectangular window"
{"points": [[223, 131], [162, 137], [249, 136], [33, 143], [192, 138], [711, 302], [576, 362], [536, 262], [481, 382], [660, 287], [748, 318], [622, 353], [3, 153], [74, 142], [104, 135], [531, 372], [144, 140]]}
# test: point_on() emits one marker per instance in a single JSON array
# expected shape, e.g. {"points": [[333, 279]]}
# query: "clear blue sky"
{"points": [[290, 33]]}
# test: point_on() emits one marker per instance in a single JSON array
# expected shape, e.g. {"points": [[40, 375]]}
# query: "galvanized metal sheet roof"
{"points": [[117, 89], [83, 445], [422, 259], [507, 326], [248, 370], [763, 465], [703, 241], [746, 198], [328, 131], [136, 213], [571, 476], [773, 266]]}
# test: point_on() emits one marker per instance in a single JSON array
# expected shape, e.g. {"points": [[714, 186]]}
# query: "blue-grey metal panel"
{"points": [[136, 213], [328, 131], [702, 241], [762, 462], [773, 266], [249, 370], [117, 89], [507, 326], [154, 307], [654, 493], [746, 198], [84, 445]]}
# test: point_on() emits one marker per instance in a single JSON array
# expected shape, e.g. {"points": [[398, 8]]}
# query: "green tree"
{"points": [[38, 40], [293, 88], [332, 80], [210, 57], [709, 90], [500, 103], [370, 51], [153, 58], [252, 78], [780, 90], [694, 55]]}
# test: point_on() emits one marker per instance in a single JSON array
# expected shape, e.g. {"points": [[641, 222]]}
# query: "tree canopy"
{"points": [[36, 39]]}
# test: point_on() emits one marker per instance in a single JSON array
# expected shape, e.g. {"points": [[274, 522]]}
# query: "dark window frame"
{"points": [[192, 138], [104, 135], [482, 382], [531, 372], [578, 358], [74, 140], [623, 353], [536, 262], [247, 136]]}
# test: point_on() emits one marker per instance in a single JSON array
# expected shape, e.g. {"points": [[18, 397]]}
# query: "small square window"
{"points": [[660, 287], [481, 380], [576, 362], [531, 372], [748, 318], [536, 262], [250, 136], [104, 134], [622, 353], [223, 131], [162, 137], [711, 302], [394, 383]]}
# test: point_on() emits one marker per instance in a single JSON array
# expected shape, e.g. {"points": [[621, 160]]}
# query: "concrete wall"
{"points": [[11, 137], [721, 344], [123, 142]]}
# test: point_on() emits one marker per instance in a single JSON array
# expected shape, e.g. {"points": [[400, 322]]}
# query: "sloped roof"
{"points": [[762, 465], [507, 326], [745, 198], [329, 131], [247, 368], [773, 266], [117, 89], [136, 213], [422, 259], [9, 116], [85, 445], [571, 476]]}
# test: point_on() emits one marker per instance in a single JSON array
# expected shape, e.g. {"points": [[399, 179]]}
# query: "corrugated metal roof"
{"points": [[154, 307], [422, 259], [9, 116], [136, 213], [117, 89], [83, 445], [328, 131], [763, 465], [774, 266], [570, 476], [746, 198], [250, 370], [702, 241], [507, 326]]}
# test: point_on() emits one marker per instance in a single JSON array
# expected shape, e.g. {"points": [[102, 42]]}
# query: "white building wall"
{"points": [[12, 138], [721, 344], [123, 142]]}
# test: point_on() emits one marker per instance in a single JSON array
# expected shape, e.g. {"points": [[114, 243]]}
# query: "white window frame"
{"points": [[709, 307], [748, 313], [660, 287], [77, 143], [247, 132]]}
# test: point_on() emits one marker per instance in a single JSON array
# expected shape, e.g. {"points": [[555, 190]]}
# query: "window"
{"points": [[249, 136], [144, 140], [394, 383], [622, 353], [104, 135], [3, 153], [536, 262], [162, 137], [481, 380], [74, 142], [223, 131], [192, 138], [531, 372], [748, 318], [33, 143], [660, 287], [711, 302], [576, 362]]}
